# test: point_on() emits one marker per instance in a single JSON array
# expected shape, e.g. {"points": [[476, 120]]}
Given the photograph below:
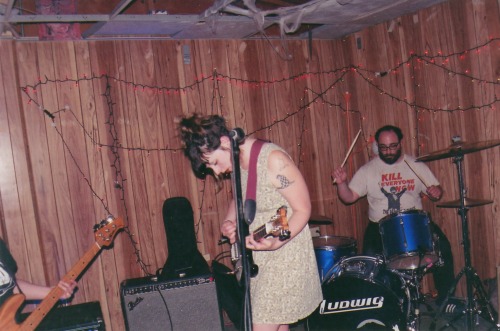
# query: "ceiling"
{"points": [[197, 19]]}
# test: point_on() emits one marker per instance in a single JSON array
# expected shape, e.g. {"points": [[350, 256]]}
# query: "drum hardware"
{"points": [[407, 240], [355, 280], [481, 306], [362, 293], [320, 220], [458, 149], [331, 249], [468, 203], [413, 279], [478, 304]]}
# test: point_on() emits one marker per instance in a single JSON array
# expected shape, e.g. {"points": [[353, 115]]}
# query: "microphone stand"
{"points": [[242, 229]]}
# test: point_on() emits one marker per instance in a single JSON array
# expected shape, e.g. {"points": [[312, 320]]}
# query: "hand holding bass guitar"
{"points": [[104, 236]]}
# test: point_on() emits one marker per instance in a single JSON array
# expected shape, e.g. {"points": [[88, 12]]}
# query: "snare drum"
{"points": [[363, 294], [407, 240], [330, 249]]}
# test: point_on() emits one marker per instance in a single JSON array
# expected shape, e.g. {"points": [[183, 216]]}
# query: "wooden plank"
{"points": [[18, 210], [90, 120], [121, 262], [149, 134], [41, 172], [70, 162], [480, 174]]}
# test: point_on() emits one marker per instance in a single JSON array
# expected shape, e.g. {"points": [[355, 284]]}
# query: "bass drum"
{"points": [[362, 294]]}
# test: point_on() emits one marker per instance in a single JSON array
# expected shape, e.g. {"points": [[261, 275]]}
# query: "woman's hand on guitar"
{"points": [[264, 244], [228, 229]]}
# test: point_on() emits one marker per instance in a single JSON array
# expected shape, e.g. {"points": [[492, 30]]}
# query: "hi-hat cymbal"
{"points": [[468, 202], [319, 220], [459, 148]]}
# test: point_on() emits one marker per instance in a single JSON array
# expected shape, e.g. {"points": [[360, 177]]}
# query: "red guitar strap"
{"points": [[251, 197]]}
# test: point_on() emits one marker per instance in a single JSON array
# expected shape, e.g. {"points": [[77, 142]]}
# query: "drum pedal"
{"points": [[454, 306]]}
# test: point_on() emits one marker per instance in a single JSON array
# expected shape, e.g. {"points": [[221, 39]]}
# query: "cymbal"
{"points": [[320, 220], [458, 149], [469, 202]]}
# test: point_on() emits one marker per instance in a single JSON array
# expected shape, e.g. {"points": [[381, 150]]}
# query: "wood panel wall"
{"points": [[112, 144]]}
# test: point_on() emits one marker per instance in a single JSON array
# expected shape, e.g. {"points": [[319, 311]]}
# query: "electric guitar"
{"points": [[276, 227], [104, 236]]}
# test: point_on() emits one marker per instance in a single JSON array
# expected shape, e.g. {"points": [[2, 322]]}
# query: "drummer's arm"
{"points": [[344, 192]]}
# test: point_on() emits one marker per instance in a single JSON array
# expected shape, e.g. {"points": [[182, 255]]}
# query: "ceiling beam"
{"points": [[53, 18], [119, 18], [121, 6], [8, 8]]}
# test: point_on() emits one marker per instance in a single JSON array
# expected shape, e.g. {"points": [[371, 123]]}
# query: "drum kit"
{"points": [[383, 292], [362, 291]]}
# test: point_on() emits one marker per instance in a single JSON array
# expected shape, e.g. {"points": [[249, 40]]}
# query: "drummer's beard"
{"points": [[390, 158]]}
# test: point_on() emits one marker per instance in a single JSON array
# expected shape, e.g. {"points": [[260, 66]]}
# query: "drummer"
{"points": [[395, 182]]}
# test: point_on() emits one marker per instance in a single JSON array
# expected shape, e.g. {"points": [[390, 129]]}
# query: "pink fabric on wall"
{"points": [[58, 31]]}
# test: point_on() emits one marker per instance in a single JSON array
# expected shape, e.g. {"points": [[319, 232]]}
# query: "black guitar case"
{"points": [[184, 259]]}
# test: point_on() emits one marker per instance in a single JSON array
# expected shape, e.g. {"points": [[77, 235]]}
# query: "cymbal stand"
{"points": [[474, 306]]}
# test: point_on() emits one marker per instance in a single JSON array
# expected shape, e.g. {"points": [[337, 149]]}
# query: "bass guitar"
{"points": [[104, 236], [276, 227]]}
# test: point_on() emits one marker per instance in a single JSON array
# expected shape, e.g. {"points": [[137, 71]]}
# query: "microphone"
{"points": [[237, 134]]}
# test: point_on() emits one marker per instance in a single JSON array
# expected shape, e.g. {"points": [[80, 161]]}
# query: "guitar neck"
{"points": [[260, 232], [52, 298]]}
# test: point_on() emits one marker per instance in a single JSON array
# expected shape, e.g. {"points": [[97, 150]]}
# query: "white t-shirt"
{"points": [[391, 188]]}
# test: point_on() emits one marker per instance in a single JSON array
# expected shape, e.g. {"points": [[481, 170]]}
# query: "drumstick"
{"points": [[348, 152], [409, 166]]}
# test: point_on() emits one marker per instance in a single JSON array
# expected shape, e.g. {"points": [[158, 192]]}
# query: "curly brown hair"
{"points": [[200, 135]]}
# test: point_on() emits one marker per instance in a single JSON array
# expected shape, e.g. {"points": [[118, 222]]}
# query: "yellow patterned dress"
{"points": [[287, 287]]}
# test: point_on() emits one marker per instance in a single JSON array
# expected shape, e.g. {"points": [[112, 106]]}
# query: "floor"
{"points": [[448, 316]]}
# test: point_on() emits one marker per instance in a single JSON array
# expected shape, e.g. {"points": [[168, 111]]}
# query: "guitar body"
{"points": [[237, 262], [8, 313]]}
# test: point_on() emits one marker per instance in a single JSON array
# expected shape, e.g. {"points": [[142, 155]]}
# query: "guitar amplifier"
{"points": [[182, 304], [79, 317]]}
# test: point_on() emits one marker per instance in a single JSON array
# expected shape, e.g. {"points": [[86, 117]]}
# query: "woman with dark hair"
{"points": [[287, 287]]}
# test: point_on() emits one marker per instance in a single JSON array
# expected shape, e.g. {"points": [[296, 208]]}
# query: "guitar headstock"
{"points": [[280, 224], [281, 212], [106, 231]]}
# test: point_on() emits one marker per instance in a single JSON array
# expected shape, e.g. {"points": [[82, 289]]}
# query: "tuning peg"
{"points": [[284, 235]]}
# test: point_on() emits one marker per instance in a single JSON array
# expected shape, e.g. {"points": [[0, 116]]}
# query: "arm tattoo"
{"points": [[285, 182]]}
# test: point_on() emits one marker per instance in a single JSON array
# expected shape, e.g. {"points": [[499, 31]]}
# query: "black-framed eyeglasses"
{"points": [[392, 147]]}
